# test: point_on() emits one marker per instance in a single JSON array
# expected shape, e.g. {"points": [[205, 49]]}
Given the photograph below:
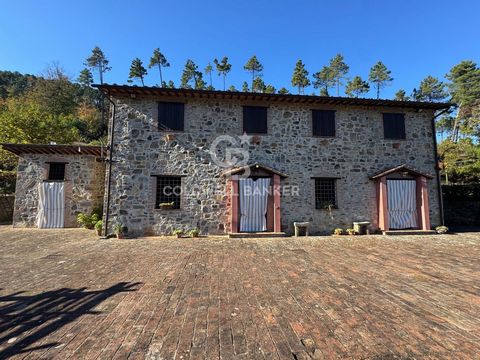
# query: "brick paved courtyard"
{"points": [[64, 293]]}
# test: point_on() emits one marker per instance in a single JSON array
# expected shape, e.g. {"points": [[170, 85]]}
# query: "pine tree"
{"points": [[245, 87], [158, 59], [137, 70], [85, 78], [300, 77], [323, 92], [223, 68], [97, 61], [283, 91], [357, 87], [339, 70], [380, 76], [431, 89], [191, 74], [270, 89], [465, 83], [415, 94], [401, 95], [464, 88], [200, 84], [208, 71], [258, 85], [254, 66], [323, 80], [232, 88]]}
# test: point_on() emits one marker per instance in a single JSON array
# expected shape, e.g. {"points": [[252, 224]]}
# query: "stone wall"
{"points": [[83, 186], [357, 152]]}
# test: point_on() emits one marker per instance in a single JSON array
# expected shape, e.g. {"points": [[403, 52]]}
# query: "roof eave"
{"points": [[49, 149], [133, 91], [400, 168]]}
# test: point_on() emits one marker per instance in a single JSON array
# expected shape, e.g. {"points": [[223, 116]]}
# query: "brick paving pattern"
{"points": [[66, 294]]}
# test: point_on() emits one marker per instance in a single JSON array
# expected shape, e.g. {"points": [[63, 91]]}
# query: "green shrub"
{"points": [[88, 221], [194, 232], [177, 232], [338, 231], [85, 220]]}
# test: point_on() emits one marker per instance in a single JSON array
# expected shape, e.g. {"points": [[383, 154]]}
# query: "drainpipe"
{"points": [[109, 160], [437, 168]]}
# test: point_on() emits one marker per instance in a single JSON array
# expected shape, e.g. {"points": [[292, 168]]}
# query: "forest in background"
{"points": [[52, 107]]}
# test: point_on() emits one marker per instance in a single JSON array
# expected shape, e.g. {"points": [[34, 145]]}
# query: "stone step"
{"points": [[262, 234], [409, 232]]}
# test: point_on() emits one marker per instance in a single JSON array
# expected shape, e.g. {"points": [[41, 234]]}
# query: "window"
{"points": [[325, 193], [169, 190], [394, 126], [255, 120], [56, 171], [170, 116], [323, 123]]}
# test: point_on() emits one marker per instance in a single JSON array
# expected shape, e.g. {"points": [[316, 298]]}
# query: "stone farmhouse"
{"points": [[232, 162]]}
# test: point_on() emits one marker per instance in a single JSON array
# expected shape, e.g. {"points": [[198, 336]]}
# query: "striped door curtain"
{"points": [[402, 204], [253, 204], [51, 205]]}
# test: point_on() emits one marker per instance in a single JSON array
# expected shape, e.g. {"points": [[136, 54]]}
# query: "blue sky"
{"points": [[413, 38]]}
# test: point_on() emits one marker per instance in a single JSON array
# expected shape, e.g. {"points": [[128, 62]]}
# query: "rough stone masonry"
{"points": [[358, 151], [84, 186]]}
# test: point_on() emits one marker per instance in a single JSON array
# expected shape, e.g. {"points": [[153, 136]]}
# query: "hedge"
{"points": [[470, 192]]}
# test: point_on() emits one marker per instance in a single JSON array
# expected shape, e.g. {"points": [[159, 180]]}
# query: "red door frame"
{"points": [[235, 204], [423, 209]]}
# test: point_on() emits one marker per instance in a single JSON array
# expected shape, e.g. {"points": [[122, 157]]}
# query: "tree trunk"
{"points": [[100, 72], [160, 70], [141, 78], [454, 136], [378, 91]]}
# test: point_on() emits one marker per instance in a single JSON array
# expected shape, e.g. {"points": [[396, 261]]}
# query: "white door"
{"points": [[51, 205], [253, 204], [402, 204]]}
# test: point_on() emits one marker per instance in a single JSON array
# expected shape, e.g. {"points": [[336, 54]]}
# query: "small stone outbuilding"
{"points": [[55, 183]]}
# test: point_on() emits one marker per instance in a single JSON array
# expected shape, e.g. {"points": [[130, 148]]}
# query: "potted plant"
{"points": [[98, 227], [194, 232], [120, 230], [178, 233], [338, 231], [351, 231], [441, 229], [166, 205]]}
